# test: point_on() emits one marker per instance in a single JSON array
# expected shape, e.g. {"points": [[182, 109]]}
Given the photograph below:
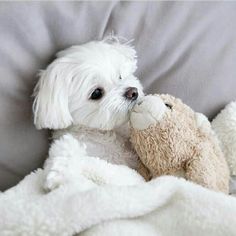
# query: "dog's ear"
{"points": [[50, 107]]}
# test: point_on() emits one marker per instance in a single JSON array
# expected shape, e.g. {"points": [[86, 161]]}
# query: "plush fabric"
{"points": [[185, 48], [178, 139], [224, 125], [166, 206]]}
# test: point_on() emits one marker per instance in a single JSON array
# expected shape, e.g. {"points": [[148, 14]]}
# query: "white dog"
{"points": [[84, 96]]}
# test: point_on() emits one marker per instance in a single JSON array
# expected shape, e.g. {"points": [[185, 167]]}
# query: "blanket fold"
{"points": [[163, 206]]}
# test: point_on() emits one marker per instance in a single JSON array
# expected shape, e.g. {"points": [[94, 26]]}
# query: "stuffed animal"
{"points": [[171, 139]]}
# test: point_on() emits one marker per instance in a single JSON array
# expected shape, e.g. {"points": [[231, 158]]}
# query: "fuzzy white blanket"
{"points": [[164, 206]]}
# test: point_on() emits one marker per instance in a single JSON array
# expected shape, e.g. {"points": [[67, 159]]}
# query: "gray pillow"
{"points": [[187, 49]]}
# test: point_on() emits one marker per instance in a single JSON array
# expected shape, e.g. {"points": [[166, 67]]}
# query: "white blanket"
{"points": [[164, 206]]}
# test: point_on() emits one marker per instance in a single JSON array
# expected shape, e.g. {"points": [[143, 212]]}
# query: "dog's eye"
{"points": [[120, 77], [168, 105], [97, 94]]}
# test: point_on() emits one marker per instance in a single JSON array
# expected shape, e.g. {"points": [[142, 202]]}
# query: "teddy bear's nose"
{"points": [[131, 93]]}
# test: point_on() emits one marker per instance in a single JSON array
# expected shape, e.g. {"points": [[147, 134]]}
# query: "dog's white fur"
{"points": [[86, 128]]}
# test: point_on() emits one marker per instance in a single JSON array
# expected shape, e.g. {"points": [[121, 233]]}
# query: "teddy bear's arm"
{"points": [[142, 170], [201, 170]]}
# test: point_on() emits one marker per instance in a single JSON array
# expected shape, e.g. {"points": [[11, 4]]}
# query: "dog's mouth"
{"points": [[136, 104], [132, 104], [131, 107]]}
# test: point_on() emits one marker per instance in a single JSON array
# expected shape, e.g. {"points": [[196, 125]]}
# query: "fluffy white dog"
{"points": [[85, 96]]}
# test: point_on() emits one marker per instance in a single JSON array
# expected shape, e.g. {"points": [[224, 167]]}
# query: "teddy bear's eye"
{"points": [[168, 105]]}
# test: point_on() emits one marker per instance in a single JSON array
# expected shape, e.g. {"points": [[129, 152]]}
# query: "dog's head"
{"points": [[91, 85]]}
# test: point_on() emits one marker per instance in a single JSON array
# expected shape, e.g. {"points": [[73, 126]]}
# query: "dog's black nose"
{"points": [[131, 93]]}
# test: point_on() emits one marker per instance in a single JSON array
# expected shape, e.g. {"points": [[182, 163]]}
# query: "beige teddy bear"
{"points": [[171, 139]]}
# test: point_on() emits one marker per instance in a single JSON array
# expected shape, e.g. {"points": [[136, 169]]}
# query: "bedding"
{"points": [[164, 206], [185, 48]]}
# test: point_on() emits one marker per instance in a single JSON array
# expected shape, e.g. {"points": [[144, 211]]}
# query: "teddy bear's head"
{"points": [[164, 126], [161, 110]]}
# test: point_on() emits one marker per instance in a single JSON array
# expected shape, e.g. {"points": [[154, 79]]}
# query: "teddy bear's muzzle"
{"points": [[147, 111]]}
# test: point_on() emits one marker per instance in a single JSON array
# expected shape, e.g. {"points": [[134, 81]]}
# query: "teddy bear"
{"points": [[171, 139]]}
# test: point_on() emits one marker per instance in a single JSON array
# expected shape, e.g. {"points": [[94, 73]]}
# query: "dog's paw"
{"points": [[147, 111], [56, 172], [53, 180]]}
